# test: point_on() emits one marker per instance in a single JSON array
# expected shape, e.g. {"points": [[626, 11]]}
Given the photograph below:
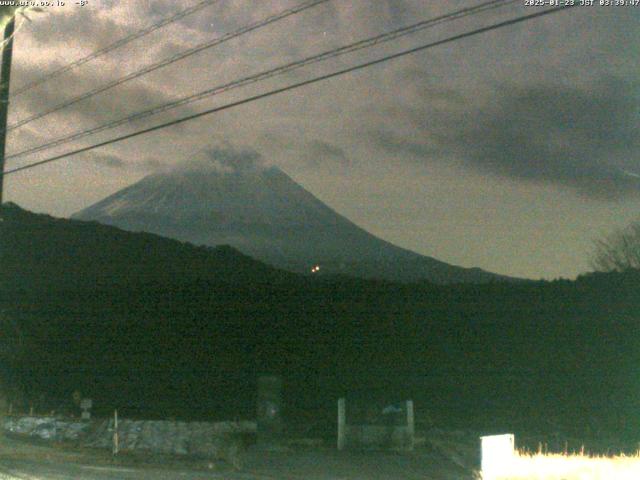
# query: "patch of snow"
{"points": [[113, 207]]}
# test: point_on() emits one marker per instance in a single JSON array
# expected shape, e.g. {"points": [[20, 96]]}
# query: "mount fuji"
{"points": [[263, 213]]}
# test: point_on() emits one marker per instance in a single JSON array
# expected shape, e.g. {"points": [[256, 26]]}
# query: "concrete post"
{"points": [[85, 405], [342, 423], [116, 440], [411, 430], [269, 418]]}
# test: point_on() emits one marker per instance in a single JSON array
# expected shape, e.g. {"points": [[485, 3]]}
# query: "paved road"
{"points": [[312, 466], [20, 461]]}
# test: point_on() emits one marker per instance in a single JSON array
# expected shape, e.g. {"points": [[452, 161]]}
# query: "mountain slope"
{"points": [[265, 214], [39, 251]]}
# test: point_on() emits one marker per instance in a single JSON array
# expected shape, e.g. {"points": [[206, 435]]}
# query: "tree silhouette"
{"points": [[619, 251]]}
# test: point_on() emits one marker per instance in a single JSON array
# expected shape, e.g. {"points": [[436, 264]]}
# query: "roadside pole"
{"points": [[5, 76], [116, 440]]}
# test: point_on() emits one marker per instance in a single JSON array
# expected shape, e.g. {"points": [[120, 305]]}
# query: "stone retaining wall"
{"points": [[206, 439]]}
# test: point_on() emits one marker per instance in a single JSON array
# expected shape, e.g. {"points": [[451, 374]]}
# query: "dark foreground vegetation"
{"points": [[157, 328]]}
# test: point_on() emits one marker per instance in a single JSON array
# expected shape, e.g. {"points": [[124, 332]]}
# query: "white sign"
{"points": [[497, 455]]}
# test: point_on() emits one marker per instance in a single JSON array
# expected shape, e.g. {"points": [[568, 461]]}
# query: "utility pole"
{"points": [[5, 75]]}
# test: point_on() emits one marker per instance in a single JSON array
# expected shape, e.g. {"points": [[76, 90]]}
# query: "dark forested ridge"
{"points": [[156, 327], [72, 254]]}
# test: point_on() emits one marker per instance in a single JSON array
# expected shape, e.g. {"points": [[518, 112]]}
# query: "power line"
{"points": [[271, 73], [294, 86], [117, 44], [170, 60], [289, 67]]}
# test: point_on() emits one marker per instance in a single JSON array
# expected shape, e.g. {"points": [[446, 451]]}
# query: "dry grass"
{"points": [[539, 466]]}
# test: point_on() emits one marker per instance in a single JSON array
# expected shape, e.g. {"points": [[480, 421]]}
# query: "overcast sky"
{"points": [[510, 151]]}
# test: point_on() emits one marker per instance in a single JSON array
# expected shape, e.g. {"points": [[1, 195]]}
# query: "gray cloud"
{"points": [[159, 10], [113, 104], [225, 158], [318, 151], [559, 134], [151, 164], [581, 138], [397, 145], [108, 160], [116, 162], [82, 25]]}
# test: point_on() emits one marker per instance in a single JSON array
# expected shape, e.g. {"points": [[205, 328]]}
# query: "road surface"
{"points": [[25, 461]]}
